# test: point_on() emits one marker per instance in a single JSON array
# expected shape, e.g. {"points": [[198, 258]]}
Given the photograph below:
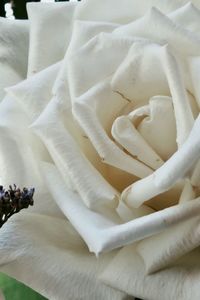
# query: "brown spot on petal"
{"points": [[125, 98]]}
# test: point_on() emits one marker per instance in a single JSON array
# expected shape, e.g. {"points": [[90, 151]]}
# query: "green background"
{"points": [[14, 290]]}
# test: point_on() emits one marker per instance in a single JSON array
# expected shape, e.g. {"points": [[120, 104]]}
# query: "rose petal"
{"points": [[127, 214], [34, 93], [158, 128], [156, 124], [161, 250], [98, 59], [127, 136], [100, 232], [109, 152], [182, 110], [138, 70], [181, 39], [187, 16], [195, 179], [180, 281], [14, 42], [42, 51], [94, 189], [18, 158], [188, 192], [168, 174], [82, 32], [126, 12], [34, 244], [194, 64]]}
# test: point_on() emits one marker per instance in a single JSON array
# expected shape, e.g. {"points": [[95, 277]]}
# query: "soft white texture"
{"points": [[14, 37], [106, 128], [111, 234], [46, 34], [179, 281], [53, 259], [186, 236]]}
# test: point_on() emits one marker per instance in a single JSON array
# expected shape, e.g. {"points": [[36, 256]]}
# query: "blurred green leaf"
{"points": [[15, 290]]}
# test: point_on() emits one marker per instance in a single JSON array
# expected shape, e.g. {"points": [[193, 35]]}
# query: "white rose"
{"points": [[106, 128]]}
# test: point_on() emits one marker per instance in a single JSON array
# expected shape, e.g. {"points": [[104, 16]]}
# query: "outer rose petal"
{"points": [[180, 281], [148, 131], [111, 233], [168, 174], [187, 16], [158, 128], [34, 93], [126, 11], [82, 32], [102, 230], [168, 29], [14, 39], [161, 250], [52, 259], [45, 33], [18, 156]]}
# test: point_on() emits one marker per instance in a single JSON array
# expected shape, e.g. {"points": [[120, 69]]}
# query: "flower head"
{"points": [[108, 122], [14, 200]]}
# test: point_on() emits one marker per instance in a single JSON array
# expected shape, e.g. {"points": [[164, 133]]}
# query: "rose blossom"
{"points": [[106, 127]]}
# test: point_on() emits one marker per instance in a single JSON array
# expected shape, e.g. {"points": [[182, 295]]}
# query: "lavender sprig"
{"points": [[13, 200]]}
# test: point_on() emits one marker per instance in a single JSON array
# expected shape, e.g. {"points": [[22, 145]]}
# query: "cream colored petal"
{"points": [[194, 65], [142, 67], [96, 50], [34, 93], [45, 33], [158, 127], [102, 234], [167, 175], [109, 152], [64, 150], [14, 42], [187, 16], [182, 110], [126, 11], [105, 103], [169, 198], [10, 77], [129, 138], [184, 44], [163, 249], [32, 96], [96, 99], [48, 255], [193, 104], [18, 158], [12, 117], [96, 61], [15, 151], [82, 32], [179, 281], [188, 192], [87, 222], [138, 114], [14, 157], [127, 214], [181, 39], [195, 178]]}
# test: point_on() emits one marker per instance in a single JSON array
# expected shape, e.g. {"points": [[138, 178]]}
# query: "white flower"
{"points": [[106, 128]]}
